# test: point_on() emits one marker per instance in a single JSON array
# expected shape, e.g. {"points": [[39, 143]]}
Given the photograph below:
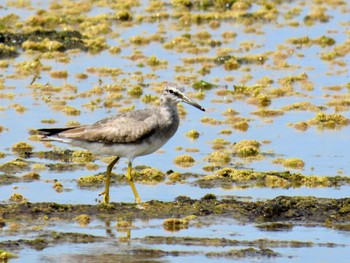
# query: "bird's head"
{"points": [[174, 93]]}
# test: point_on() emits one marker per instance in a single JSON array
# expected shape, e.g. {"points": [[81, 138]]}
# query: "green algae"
{"points": [[14, 166], [22, 147], [16, 197], [175, 224], [83, 219], [218, 158], [184, 160], [193, 134], [268, 113], [8, 179], [329, 121], [249, 178], [44, 40], [225, 242], [203, 85], [52, 238], [5, 255], [245, 253], [247, 148], [294, 163]]}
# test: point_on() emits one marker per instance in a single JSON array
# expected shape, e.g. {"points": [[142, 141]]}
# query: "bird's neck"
{"points": [[169, 111]]}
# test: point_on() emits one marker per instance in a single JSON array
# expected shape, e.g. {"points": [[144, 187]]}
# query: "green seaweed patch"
{"points": [[211, 121], [247, 148], [193, 134], [46, 40], [218, 158], [176, 177], [294, 163], [18, 198], [14, 166], [5, 255], [184, 161], [135, 92], [31, 176], [64, 155], [7, 51], [71, 111], [22, 147], [45, 45], [302, 106], [123, 15], [8, 179], [301, 125], [261, 100], [149, 99], [275, 226], [155, 62], [337, 52], [268, 113], [107, 72], [226, 132], [316, 15], [49, 121], [245, 253], [241, 126], [220, 143], [49, 239], [323, 41], [342, 227], [59, 74], [83, 219], [248, 178], [340, 104], [175, 224], [92, 180], [246, 90], [225, 242], [232, 62], [289, 80], [58, 186], [329, 121], [203, 85], [148, 174], [96, 45], [82, 156]]}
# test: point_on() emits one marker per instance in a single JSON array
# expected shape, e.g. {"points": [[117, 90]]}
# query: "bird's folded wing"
{"points": [[114, 130]]}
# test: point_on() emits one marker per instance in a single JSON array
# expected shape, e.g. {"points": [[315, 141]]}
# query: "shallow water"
{"points": [[324, 151]]}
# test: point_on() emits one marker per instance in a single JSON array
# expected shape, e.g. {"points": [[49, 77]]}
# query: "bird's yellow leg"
{"points": [[131, 183], [108, 180]]}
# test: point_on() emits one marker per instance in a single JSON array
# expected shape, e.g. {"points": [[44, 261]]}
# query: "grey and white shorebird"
{"points": [[130, 134]]}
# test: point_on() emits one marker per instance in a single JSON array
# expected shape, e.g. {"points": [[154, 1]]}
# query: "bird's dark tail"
{"points": [[47, 132]]}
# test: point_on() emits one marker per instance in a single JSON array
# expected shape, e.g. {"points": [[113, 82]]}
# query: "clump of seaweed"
{"points": [[329, 121], [247, 148], [184, 160]]}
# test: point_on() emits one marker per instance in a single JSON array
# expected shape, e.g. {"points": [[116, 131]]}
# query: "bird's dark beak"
{"points": [[192, 103]]}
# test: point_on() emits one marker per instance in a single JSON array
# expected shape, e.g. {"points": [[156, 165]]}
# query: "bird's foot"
{"points": [[105, 197], [138, 200]]}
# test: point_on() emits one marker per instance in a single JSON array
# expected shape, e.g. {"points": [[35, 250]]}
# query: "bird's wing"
{"points": [[122, 128]]}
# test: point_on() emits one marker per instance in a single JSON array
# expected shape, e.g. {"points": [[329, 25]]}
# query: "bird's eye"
{"points": [[171, 91]]}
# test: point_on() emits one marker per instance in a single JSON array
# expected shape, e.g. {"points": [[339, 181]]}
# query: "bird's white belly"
{"points": [[129, 151]]}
